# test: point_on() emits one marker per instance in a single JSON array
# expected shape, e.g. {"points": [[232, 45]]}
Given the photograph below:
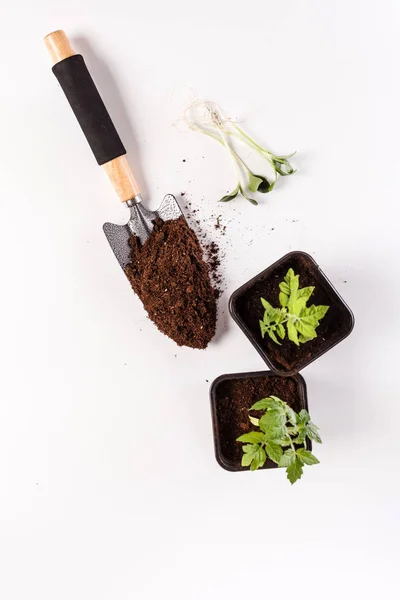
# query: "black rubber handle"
{"points": [[89, 109]]}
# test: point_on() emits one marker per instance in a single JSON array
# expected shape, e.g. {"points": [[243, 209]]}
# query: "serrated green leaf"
{"points": [[284, 287], [298, 306], [306, 457], [292, 430], [287, 458], [317, 312], [305, 292], [266, 304], [275, 433], [273, 337], [253, 437], [253, 420], [291, 415], [312, 433], [292, 332], [272, 419], [275, 315], [265, 403], [263, 328], [231, 195], [304, 417], [305, 329], [247, 459], [294, 471], [277, 415], [292, 280], [289, 275], [303, 339], [267, 317], [283, 299], [281, 331], [250, 448], [300, 439], [274, 451], [285, 442], [258, 460]]}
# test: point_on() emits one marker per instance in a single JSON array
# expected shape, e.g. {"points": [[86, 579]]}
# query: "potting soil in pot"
{"points": [[287, 355], [172, 280], [233, 400]]}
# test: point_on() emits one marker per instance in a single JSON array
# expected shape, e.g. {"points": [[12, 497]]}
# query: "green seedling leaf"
{"points": [[273, 337], [264, 328], [283, 299], [259, 183], [247, 459], [273, 419], [266, 305], [312, 432], [301, 438], [285, 442], [306, 292], [250, 448], [254, 421], [253, 437], [287, 458], [284, 287], [291, 415], [254, 182], [274, 451], [231, 195], [292, 332], [281, 331], [265, 186], [270, 402], [304, 417], [250, 451], [318, 312], [307, 331], [294, 471], [258, 460], [293, 281], [306, 457]]}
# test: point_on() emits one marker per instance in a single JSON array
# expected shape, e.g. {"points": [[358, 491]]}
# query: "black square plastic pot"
{"points": [[231, 397], [246, 309]]}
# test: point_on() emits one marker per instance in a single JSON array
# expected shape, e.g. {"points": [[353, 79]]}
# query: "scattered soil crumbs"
{"points": [[172, 280], [214, 254], [230, 403]]}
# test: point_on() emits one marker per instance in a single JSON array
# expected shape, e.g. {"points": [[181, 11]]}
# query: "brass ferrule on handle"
{"points": [[102, 144]]}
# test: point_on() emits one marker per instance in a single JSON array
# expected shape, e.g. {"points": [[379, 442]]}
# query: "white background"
{"points": [[108, 484]]}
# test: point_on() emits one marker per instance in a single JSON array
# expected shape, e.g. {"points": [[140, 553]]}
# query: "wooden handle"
{"points": [[91, 114], [58, 45]]}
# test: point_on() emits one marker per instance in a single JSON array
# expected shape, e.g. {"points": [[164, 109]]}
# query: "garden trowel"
{"points": [[99, 130]]}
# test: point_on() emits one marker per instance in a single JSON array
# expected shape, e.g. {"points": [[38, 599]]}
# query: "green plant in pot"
{"points": [[282, 437], [293, 316]]}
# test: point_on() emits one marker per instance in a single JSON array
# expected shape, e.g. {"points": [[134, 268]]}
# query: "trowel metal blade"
{"points": [[140, 224]]}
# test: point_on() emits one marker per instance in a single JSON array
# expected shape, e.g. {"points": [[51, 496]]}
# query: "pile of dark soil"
{"points": [[172, 280], [233, 398]]}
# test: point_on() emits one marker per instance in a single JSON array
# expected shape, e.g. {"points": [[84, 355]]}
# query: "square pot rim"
{"points": [[259, 277], [244, 375]]}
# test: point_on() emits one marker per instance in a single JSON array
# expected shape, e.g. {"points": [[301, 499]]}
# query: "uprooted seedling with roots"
{"points": [[208, 118]]}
